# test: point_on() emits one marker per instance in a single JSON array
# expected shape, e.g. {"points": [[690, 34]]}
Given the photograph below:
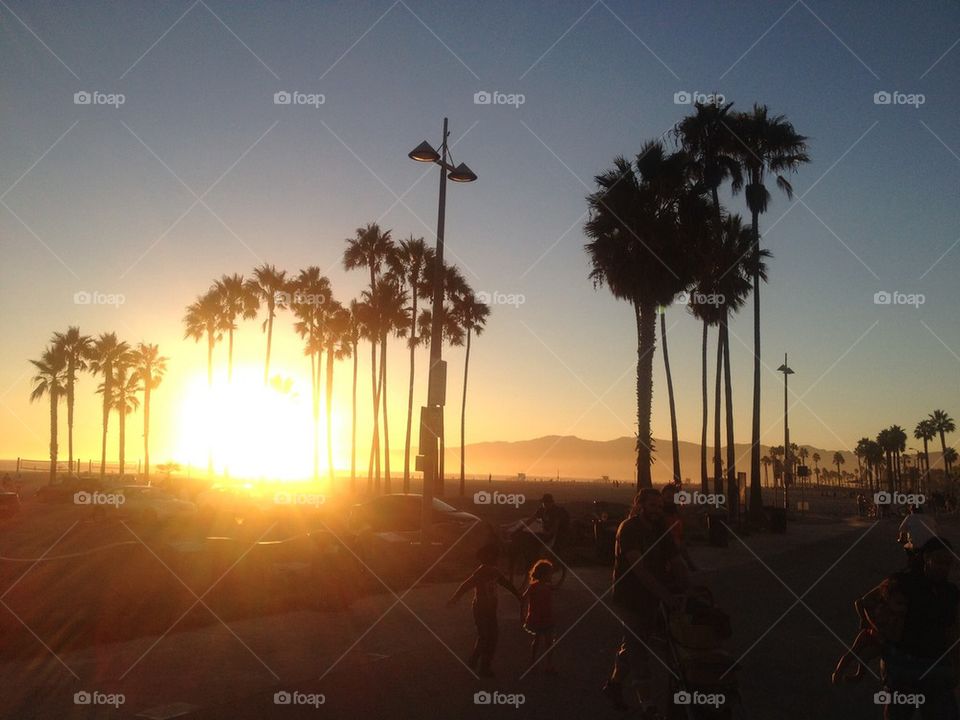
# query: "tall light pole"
{"points": [[431, 414], [787, 467]]}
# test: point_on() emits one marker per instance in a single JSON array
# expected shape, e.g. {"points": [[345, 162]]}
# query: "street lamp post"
{"points": [[431, 413], [787, 468]]}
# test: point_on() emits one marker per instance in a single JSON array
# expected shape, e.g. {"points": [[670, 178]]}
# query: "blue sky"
{"points": [[100, 209]]}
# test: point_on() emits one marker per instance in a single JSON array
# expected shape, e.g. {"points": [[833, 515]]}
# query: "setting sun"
{"points": [[252, 430]]}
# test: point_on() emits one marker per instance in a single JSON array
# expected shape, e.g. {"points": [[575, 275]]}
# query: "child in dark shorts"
{"points": [[484, 581]]}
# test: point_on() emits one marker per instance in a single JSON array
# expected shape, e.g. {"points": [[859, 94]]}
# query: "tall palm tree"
{"points": [[371, 248], [238, 301], [204, 320], [412, 263], [472, 316], [123, 397], [925, 431], [75, 348], [949, 456], [887, 443], [705, 137], [633, 250], [816, 465], [104, 353], [51, 381], [737, 267], [766, 145], [943, 424], [269, 286], [352, 339], [838, 460], [898, 440], [151, 366], [766, 462], [387, 315], [310, 300]]}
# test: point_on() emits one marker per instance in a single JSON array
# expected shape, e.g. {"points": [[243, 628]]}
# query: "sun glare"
{"points": [[253, 430]]}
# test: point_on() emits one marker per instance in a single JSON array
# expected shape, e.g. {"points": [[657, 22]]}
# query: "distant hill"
{"points": [[574, 457]]}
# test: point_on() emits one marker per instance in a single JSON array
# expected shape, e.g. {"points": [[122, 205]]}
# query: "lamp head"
{"points": [[461, 173], [424, 152]]}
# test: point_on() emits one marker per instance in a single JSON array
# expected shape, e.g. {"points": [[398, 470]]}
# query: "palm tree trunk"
{"points": [[733, 496], [210, 342], [646, 316], [313, 412], [329, 399], [463, 418], [717, 410], [54, 399], [413, 348], [107, 373], [673, 408], [386, 424], [266, 367], [926, 463], [353, 430], [439, 491], [375, 445], [70, 398], [123, 434], [756, 494], [704, 482], [943, 455], [230, 355], [146, 430]]}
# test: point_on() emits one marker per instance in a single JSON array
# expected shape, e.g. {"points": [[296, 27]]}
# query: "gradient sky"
{"points": [[105, 199]]}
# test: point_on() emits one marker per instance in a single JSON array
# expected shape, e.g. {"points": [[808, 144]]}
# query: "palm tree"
{"points": [[352, 338], [898, 440], [412, 264], [204, 319], [925, 431], [123, 397], [269, 286], [949, 456], [888, 443], [816, 465], [104, 353], [766, 145], [471, 315], [633, 250], [766, 462], [736, 264], [310, 300], [370, 248], [237, 300], [150, 369], [51, 381], [387, 315], [75, 348], [838, 460], [942, 423]]}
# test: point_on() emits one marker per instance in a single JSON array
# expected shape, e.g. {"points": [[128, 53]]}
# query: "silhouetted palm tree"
{"points": [[238, 300], [338, 347], [816, 465], [838, 461], [50, 381], [943, 424], [123, 397], [926, 432], [104, 353], [898, 440], [412, 263], [471, 315], [370, 248], [633, 250], [766, 462], [766, 145], [352, 338], [204, 319], [310, 299], [269, 286], [75, 348], [150, 368]]}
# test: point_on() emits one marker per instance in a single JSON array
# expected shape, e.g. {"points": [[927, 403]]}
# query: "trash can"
{"points": [[777, 519], [717, 529]]}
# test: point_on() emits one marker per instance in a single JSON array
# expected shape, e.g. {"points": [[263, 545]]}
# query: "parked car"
{"points": [[9, 504], [143, 503], [394, 521], [64, 490]]}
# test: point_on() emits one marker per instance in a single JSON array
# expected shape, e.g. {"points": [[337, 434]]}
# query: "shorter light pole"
{"points": [[787, 468]]}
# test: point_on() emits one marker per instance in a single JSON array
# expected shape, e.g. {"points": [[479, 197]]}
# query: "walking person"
{"points": [[647, 571], [537, 600]]}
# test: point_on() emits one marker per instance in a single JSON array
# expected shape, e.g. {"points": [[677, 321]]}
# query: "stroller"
{"points": [[705, 684]]}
